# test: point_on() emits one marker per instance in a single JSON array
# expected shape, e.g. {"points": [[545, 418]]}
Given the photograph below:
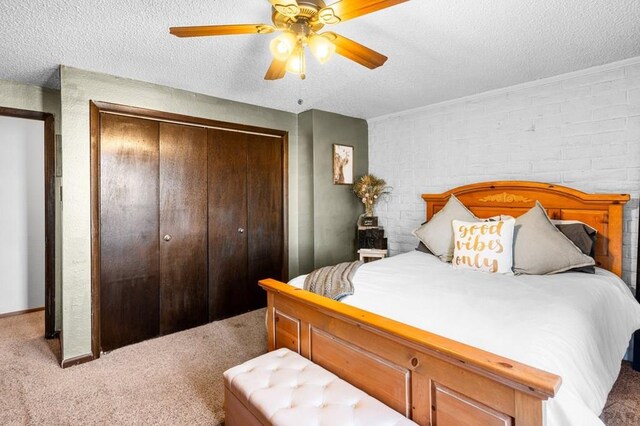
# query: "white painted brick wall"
{"points": [[581, 130]]}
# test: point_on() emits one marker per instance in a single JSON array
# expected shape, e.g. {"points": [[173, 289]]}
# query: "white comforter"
{"points": [[575, 325]]}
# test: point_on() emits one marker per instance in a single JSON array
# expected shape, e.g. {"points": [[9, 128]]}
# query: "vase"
{"points": [[368, 210]]}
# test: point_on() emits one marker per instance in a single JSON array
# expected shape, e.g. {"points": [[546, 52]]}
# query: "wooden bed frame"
{"points": [[429, 378]]}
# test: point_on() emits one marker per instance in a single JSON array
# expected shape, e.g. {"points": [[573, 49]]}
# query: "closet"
{"points": [[190, 217]]}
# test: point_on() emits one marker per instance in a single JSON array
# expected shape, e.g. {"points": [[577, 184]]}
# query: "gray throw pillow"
{"points": [[437, 234], [422, 248], [580, 234], [539, 248], [584, 237]]}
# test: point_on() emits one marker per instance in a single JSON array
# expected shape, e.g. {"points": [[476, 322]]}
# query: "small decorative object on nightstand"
{"points": [[371, 237], [369, 189], [369, 255], [369, 221]]}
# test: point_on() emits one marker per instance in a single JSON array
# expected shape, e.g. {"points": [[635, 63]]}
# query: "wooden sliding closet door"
{"points": [[227, 223], [183, 227], [190, 217], [265, 214], [129, 268]]}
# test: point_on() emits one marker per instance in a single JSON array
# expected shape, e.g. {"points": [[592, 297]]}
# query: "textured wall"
{"points": [[328, 212], [335, 207], [581, 130], [328, 236], [78, 87], [305, 186], [34, 98]]}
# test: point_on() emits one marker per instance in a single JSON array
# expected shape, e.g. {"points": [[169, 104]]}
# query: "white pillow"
{"points": [[498, 217], [483, 246]]}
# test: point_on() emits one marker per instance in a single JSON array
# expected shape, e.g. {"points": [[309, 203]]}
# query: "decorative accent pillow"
{"points": [[422, 248], [580, 234], [498, 217], [483, 246], [437, 234], [583, 236], [539, 248]]}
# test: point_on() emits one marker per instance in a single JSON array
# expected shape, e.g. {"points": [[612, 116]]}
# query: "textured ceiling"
{"points": [[438, 49]]}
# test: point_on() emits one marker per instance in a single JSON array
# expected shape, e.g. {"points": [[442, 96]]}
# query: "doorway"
{"points": [[27, 217]]}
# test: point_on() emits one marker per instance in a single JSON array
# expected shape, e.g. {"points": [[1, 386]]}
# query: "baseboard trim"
{"points": [[25, 311], [76, 360]]}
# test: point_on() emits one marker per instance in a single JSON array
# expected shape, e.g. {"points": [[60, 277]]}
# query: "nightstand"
{"points": [[369, 255]]}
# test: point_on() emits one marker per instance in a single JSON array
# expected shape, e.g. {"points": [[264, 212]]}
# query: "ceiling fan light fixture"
{"points": [[288, 10], [321, 48], [301, 22], [328, 16], [296, 63], [283, 46], [286, 7]]}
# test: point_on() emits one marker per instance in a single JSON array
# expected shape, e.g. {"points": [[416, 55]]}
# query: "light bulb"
{"points": [[321, 48], [282, 46], [296, 62]]}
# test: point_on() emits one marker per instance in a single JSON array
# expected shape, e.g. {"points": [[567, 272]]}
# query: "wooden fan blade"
{"points": [[344, 10], [277, 70], [355, 51], [216, 30], [286, 7]]}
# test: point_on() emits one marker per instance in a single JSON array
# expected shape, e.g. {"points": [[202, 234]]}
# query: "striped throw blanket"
{"points": [[334, 281]]}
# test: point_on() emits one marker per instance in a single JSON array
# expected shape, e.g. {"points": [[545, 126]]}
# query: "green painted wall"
{"points": [[335, 207], [322, 216], [78, 87], [306, 194]]}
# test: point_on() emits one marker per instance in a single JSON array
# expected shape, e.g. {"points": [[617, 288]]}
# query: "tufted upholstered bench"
{"points": [[284, 388]]}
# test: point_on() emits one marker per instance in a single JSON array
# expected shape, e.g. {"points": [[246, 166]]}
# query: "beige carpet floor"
{"points": [[623, 405], [172, 380]]}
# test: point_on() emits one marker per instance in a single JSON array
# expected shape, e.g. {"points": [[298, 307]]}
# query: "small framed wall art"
{"points": [[342, 164]]}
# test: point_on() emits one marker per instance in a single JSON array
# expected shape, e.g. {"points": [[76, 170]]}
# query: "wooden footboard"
{"points": [[430, 379]]}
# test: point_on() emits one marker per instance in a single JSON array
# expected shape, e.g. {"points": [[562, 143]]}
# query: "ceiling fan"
{"points": [[300, 22]]}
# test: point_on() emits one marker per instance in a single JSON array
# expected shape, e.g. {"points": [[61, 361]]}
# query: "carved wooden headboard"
{"points": [[601, 211]]}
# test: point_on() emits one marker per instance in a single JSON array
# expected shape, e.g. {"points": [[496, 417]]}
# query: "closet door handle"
{"points": [[167, 238], [241, 230]]}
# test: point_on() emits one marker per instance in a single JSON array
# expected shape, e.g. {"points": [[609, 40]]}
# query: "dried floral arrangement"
{"points": [[369, 188]]}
